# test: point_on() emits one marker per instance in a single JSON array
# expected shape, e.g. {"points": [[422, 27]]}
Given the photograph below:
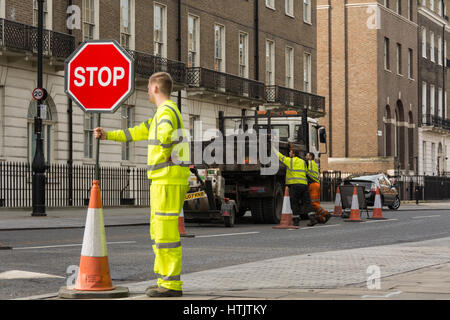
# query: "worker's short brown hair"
{"points": [[164, 82]]}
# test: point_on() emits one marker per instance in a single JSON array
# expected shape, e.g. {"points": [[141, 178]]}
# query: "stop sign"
{"points": [[99, 76]]}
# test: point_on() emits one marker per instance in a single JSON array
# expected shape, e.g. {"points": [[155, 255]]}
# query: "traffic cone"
{"points": [[94, 280], [181, 226], [286, 213], [338, 204], [355, 214], [377, 207]]}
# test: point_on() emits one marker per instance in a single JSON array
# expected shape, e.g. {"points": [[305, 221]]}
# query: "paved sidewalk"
{"points": [[410, 271], [16, 219]]}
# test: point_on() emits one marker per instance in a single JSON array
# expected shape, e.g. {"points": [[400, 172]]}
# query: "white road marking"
{"points": [[373, 221], [68, 245], [225, 234], [385, 296], [326, 226], [18, 274], [421, 217]]}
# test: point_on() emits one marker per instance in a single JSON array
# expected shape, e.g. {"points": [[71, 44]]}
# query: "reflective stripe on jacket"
{"points": [[137, 133], [168, 149], [295, 170], [313, 171]]}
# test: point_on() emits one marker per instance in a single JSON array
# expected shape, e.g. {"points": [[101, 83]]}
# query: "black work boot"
{"points": [[151, 288], [162, 292], [313, 219]]}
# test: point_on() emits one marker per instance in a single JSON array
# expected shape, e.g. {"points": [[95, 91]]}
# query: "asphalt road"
{"points": [[52, 252]]}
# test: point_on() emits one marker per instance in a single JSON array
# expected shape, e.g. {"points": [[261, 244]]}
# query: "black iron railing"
{"points": [[434, 121], [119, 186], [223, 82], [295, 98], [23, 37], [146, 64]]}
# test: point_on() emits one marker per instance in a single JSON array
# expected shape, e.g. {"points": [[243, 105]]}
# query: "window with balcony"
{"points": [[440, 96], [432, 58], [424, 42], [424, 98], [88, 19], [125, 23], [219, 48], [432, 99], [307, 11], [289, 4], [270, 62], [307, 72], [243, 54], [387, 58], [127, 115], [289, 57], [35, 13], [159, 30], [193, 41]]}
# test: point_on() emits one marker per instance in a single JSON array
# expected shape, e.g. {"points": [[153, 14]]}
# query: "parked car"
{"points": [[388, 192]]}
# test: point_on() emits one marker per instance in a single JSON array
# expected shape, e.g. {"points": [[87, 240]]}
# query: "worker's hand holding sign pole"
{"points": [[99, 77]]}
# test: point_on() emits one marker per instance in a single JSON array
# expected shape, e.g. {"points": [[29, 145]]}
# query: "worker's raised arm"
{"points": [[286, 160], [137, 133]]}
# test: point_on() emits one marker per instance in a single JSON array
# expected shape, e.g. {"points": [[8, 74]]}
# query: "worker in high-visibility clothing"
{"points": [[168, 170], [297, 182], [321, 215]]}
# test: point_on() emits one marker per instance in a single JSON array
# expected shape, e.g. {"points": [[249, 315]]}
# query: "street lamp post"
{"points": [[38, 165]]}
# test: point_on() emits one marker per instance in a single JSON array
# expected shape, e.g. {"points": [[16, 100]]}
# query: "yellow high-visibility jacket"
{"points": [[168, 150], [295, 169], [313, 171]]}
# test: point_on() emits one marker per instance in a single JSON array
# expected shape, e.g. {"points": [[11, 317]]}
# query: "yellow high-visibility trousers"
{"points": [[166, 202]]}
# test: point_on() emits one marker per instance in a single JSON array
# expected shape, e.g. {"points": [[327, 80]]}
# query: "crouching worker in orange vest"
{"points": [[320, 215]]}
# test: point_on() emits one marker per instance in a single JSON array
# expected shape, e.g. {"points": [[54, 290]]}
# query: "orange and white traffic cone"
{"points": [[286, 213], [181, 226], [377, 207], [338, 204], [94, 279], [355, 214]]}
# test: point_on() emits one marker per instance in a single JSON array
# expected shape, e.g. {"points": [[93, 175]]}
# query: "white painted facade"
{"points": [[428, 157]]}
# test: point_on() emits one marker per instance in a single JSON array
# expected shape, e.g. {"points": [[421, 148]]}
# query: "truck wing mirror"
{"points": [[322, 135]]}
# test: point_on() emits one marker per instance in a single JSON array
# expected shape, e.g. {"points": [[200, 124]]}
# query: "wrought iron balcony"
{"points": [[146, 64], [225, 84], [296, 98], [430, 120], [21, 37]]}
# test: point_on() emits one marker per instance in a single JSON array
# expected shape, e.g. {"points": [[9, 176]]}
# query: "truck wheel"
{"points": [[257, 210], [273, 206], [229, 220]]}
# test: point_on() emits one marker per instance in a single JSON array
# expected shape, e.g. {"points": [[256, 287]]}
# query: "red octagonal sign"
{"points": [[99, 76]]}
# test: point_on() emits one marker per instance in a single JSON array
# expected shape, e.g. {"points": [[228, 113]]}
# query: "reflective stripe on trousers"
{"points": [[166, 202]]}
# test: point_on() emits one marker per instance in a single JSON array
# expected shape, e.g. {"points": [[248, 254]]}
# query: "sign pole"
{"points": [[97, 153]]}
